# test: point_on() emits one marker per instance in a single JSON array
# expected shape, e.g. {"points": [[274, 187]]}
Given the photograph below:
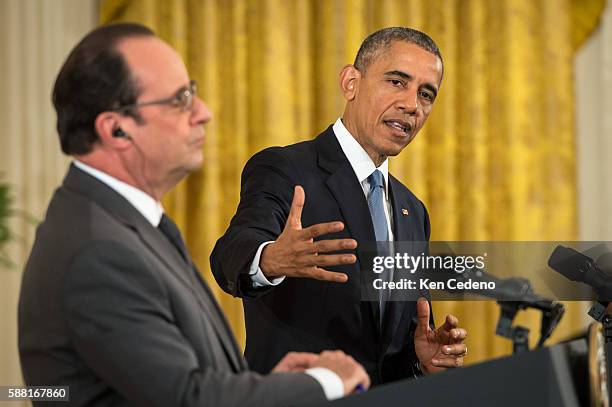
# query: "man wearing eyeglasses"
{"points": [[111, 304]]}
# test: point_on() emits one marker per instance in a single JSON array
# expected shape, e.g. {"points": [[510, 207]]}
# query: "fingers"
{"points": [[363, 380], [459, 349], [332, 245], [321, 274], [332, 353], [297, 205], [450, 322], [296, 254], [324, 246], [301, 358], [327, 260], [352, 373], [295, 362], [422, 316], [360, 377], [458, 334], [321, 229], [452, 356], [448, 362]]}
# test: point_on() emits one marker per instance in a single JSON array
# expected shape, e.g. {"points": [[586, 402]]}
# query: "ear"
{"points": [[349, 81], [105, 124]]}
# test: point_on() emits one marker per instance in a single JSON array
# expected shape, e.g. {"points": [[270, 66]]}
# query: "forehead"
{"points": [[155, 65], [409, 58]]}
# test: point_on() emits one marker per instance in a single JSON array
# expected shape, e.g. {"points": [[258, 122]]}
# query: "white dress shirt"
{"points": [[363, 166], [152, 210]]}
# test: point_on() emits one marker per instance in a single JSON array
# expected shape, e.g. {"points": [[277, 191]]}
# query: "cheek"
{"points": [[376, 108], [423, 116], [170, 133]]}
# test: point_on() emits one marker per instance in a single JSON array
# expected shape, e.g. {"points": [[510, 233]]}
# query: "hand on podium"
{"points": [[352, 374], [440, 348]]}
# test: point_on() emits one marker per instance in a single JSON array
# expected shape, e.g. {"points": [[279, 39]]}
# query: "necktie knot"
{"points": [[375, 179]]}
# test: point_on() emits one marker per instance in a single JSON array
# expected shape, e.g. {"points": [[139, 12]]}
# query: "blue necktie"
{"points": [[376, 202]]}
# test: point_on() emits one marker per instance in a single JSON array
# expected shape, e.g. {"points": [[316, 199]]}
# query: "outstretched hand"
{"points": [[440, 348], [296, 254]]}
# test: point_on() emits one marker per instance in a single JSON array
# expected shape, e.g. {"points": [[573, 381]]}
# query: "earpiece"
{"points": [[118, 132]]}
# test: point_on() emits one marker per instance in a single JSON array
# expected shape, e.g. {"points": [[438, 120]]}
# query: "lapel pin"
{"points": [[404, 211]]}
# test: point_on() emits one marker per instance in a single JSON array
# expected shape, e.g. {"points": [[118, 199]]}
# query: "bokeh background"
{"points": [[515, 149]]}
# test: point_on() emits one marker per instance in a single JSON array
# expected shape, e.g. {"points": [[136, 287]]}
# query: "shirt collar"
{"points": [[358, 158], [151, 209]]}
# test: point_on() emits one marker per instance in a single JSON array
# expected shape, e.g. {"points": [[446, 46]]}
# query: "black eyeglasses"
{"points": [[182, 100]]}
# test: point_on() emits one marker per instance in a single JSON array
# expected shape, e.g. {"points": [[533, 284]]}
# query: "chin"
{"points": [[195, 164], [392, 151]]}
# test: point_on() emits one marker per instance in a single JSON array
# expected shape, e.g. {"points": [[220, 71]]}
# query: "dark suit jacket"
{"points": [[109, 308], [310, 315]]}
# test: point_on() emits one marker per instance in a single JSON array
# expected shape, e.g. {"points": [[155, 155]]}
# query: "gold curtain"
{"points": [[496, 160]]}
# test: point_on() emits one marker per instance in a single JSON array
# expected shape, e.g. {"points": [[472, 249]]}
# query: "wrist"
{"points": [[267, 267]]}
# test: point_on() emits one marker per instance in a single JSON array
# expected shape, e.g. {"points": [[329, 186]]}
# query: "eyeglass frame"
{"points": [[188, 92]]}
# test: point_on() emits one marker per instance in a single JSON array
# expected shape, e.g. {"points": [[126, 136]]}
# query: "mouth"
{"points": [[400, 126], [199, 142]]}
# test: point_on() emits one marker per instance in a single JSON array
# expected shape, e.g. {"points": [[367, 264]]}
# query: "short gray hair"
{"points": [[380, 40]]}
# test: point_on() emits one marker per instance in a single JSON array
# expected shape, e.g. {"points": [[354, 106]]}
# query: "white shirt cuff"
{"points": [[257, 276], [330, 381]]}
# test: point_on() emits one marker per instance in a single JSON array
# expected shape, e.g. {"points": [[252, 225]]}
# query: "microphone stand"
{"points": [[552, 312], [515, 294], [518, 334]]}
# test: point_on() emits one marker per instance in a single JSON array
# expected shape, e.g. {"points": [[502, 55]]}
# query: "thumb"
{"points": [[422, 316], [295, 213]]}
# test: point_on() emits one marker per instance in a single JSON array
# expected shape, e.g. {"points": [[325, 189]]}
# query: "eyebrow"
{"points": [[409, 77]]}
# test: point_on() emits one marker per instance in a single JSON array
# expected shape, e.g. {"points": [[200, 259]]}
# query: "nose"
{"points": [[200, 113], [408, 101]]}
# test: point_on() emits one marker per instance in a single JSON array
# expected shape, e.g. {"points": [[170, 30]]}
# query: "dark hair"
{"points": [[380, 40], [94, 78]]}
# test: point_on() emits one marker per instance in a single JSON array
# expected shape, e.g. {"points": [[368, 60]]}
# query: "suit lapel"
{"points": [[160, 247], [403, 231], [403, 212], [231, 347], [346, 190], [190, 277]]}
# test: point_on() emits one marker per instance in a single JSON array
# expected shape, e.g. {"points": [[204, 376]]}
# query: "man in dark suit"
{"points": [[111, 304], [338, 186]]}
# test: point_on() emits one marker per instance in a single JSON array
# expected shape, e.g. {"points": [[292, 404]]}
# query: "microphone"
{"points": [[605, 263], [580, 267], [507, 289]]}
